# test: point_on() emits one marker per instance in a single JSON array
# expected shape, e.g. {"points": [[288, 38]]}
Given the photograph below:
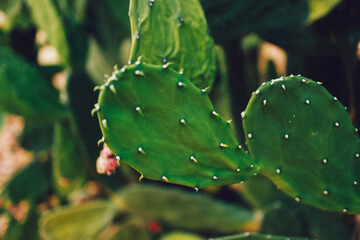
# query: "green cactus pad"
{"points": [[304, 141], [185, 40], [158, 122], [257, 236]]}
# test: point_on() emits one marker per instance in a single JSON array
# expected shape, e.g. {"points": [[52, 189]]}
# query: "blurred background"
{"points": [[53, 53]]}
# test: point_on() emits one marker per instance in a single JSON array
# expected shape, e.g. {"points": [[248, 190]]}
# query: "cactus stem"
{"points": [[104, 123], [325, 192], [215, 113], [141, 177], [139, 73], [192, 158], [283, 87], [102, 140], [165, 178], [307, 101], [183, 122], [324, 161], [141, 151], [278, 171], [112, 89], [223, 145], [297, 199], [250, 135], [215, 177]]}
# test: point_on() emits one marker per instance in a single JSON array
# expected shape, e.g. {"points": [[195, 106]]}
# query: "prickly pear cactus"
{"points": [[173, 31], [257, 236], [157, 121], [304, 141]]}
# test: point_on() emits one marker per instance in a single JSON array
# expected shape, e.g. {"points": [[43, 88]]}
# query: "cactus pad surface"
{"points": [[157, 121], [173, 31], [303, 139]]}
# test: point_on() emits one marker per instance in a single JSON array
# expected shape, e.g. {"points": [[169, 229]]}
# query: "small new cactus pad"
{"points": [[173, 31], [157, 121], [303, 139]]}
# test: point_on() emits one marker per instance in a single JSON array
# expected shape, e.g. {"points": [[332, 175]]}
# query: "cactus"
{"points": [[184, 210], [55, 224], [181, 21], [257, 236], [158, 122], [182, 236], [304, 141]]}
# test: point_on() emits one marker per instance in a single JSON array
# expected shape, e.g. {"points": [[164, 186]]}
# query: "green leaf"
{"points": [[47, 18], [158, 122], [76, 222], [30, 183], [320, 8], [173, 31], [180, 209], [24, 91], [304, 141], [68, 159]]}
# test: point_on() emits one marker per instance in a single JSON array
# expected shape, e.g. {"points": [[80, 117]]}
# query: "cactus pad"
{"points": [[186, 41], [303, 139], [157, 121]]}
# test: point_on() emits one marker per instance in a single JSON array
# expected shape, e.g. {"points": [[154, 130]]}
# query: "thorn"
{"points": [[320, 83], [291, 75], [112, 89], [137, 36], [183, 122], [357, 155], [238, 170], [239, 147], [344, 210], [138, 60], [283, 87], [257, 92], [307, 101], [278, 171], [250, 135], [286, 136], [118, 160], [324, 161], [355, 183], [140, 150], [337, 124], [123, 69], [325, 192], [95, 109], [303, 81], [104, 123], [166, 65], [215, 113], [335, 99], [106, 76], [196, 189], [215, 177], [141, 177], [222, 145], [242, 115], [297, 199], [192, 158], [139, 73], [204, 90], [165, 178], [97, 88], [138, 109], [102, 140], [116, 67], [264, 102], [181, 84], [181, 71], [229, 121]]}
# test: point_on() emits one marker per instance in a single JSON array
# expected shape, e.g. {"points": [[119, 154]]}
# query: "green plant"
{"points": [[286, 165]]}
